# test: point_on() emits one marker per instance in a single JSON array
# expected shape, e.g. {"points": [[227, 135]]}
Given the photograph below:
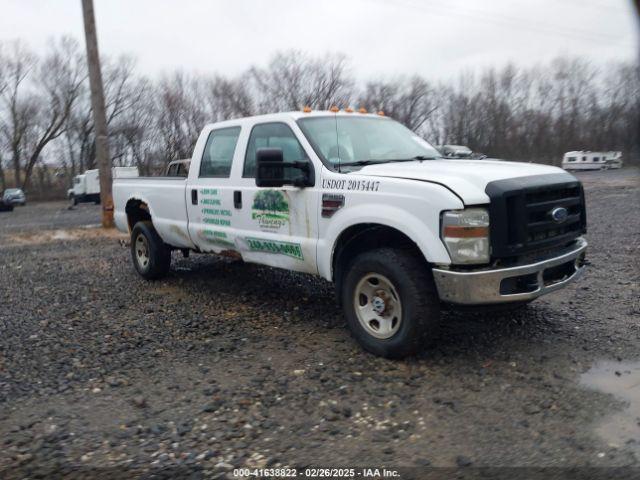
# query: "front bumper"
{"points": [[513, 284]]}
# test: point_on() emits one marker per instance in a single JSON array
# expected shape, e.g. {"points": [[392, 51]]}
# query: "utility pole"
{"points": [[99, 114]]}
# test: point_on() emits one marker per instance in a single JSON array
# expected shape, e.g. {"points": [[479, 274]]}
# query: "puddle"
{"points": [[621, 379]]}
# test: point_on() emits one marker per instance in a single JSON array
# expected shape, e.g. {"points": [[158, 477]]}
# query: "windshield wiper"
{"points": [[391, 160]]}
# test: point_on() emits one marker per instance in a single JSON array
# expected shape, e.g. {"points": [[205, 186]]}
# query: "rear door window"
{"points": [[218, 152]]}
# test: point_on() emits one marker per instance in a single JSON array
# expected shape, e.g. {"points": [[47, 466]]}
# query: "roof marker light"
{"points": [[381, 113], [348, 110], [334, 109], [306, 109], [362, 110]]}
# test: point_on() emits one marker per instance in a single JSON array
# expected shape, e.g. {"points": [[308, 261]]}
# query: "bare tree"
{"points": [[3, 85], [530, 114], [227, 98], [57, 82], [180, 114], [18, 106], [121, 95], [293, 80], [411, 101]]}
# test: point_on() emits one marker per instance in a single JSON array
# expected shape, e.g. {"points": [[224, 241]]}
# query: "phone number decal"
{"points": [[271, 246]]}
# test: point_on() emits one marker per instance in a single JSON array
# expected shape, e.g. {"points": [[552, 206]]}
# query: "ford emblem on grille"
{"points": [[559, 214]]}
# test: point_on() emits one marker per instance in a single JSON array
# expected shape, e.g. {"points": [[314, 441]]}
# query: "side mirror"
{"points": [[273, 171]]}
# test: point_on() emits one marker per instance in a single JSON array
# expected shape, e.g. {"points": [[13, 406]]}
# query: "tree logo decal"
{"points": [[270, 208]]}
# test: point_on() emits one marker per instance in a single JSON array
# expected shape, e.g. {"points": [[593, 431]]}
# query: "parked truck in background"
{"points": [[365, 203], [86, 186]]}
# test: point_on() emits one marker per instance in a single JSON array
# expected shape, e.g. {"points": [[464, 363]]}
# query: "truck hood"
{"points": [[466, 178]]}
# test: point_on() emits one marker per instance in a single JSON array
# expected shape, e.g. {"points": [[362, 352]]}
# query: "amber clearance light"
{"points": [[456, 231]]}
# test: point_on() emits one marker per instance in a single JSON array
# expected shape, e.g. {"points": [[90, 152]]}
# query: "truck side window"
{"points": [[218, 152], [274, 135]]}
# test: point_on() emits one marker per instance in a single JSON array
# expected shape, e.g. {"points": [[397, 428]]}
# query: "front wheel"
{"points": [[390, 302], [151, 256]]}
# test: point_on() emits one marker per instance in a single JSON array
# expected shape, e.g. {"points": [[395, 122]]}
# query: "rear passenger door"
{"points": [[209, 193], [277, 226]]}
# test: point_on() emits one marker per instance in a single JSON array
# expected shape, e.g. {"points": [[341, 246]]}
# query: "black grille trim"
{"points": [[519, 213]]}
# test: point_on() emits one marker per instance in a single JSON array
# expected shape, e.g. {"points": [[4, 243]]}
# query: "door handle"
{"points": [[194, 196], [237, 199]]}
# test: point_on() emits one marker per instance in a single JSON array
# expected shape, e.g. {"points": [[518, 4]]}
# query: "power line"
{"points": [[599, 6], [530, 23], [503, 20]]}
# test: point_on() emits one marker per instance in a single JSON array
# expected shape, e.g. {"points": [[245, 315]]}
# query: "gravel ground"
{"points": [[212, 368], [48, 216]]}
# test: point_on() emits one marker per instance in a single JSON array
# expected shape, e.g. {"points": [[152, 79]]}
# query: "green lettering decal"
{"points": [[216, 238], [212, 216], [216, 221], [271, 246]]}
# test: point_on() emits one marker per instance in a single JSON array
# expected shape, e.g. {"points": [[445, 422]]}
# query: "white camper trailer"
{"points": [[613, 159], [587, 160]]}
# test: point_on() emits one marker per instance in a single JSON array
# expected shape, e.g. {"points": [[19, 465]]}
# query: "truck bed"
{"points": [[166, 198]]}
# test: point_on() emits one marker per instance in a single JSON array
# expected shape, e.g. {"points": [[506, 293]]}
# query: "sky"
{"points": [[437, 39]]}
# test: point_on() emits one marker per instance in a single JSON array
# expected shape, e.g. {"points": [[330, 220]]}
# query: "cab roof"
{"points": [[292, 115]]}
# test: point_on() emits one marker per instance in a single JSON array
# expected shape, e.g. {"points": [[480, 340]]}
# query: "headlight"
{"points": [[466, 235]]}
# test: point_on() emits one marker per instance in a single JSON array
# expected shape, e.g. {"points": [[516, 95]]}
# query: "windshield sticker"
{"points": [[355, 185], [271, 246], [271, 209]]}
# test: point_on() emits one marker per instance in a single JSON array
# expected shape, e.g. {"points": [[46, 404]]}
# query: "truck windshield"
{"points": [[356, 141]]}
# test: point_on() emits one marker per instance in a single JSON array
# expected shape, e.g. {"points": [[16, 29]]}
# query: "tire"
{"points": [[150, 255], [405, 285]]}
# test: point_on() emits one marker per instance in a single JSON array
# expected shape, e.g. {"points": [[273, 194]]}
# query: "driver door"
{"points": [[279, 226]]}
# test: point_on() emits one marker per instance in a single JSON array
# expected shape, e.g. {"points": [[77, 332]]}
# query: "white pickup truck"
{"points": [[367, 204]]}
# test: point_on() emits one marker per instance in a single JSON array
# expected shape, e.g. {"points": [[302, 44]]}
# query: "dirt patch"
{"points": [[47, 236]]}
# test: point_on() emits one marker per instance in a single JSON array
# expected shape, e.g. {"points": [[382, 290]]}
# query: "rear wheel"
{"points": [[151, 256], [390, 302]]}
